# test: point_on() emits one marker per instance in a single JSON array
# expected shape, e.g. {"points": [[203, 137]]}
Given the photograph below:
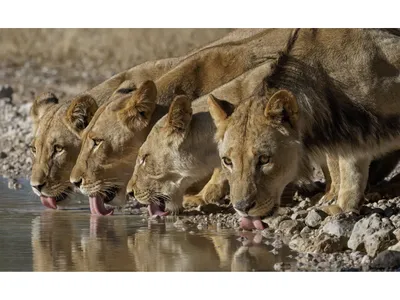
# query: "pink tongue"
{"points": [[97, 207], [49, 202], [249, 223], [154, 210]]}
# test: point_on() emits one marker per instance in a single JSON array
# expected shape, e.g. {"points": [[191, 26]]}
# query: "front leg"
{"points": [[215, 189], [332, 178], [353, 181]]}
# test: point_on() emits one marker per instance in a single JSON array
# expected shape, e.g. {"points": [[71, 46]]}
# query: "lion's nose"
{"points": [[245, 205], [78, 183], [39, 186], [131, 194]]}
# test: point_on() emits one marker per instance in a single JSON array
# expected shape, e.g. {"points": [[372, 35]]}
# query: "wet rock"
{"points": [[315, 217], [339, 228], [372, 234], [277, 244], [387, 260]]}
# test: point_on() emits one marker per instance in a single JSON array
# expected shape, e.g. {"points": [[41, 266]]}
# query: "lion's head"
{"points": [[110, 144], [57, 141], [177, 153], [260, 150]]}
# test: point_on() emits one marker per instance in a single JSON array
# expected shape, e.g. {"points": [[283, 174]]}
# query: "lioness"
{"points": [[56, 141], [108, 154], [334, 92], [180, 150], [58, 125]]}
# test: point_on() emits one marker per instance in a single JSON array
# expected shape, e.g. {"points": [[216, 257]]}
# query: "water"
{"points": [[33, 238]]}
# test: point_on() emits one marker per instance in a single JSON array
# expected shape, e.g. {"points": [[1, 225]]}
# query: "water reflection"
{"points": [[71, 241]]}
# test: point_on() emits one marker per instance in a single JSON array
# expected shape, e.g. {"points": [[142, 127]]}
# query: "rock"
{"points": [[365, 260], [6, 91], [315, 217], [387, 260], [388, 212], [321, 244], [3, 155], [339, 228], [396, 233], [372, 234], [395, 247], [289, 226], [300, 244], [395, 221], [273, 222], [305, 231], [300, 214], [328, 244], [283, 211], [277, 244]]}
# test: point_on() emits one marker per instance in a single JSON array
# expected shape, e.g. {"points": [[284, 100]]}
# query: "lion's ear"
{"points": [[179, 114], [138, 110], [220, 110], [42, 103], [80, 112], [282, 108]]}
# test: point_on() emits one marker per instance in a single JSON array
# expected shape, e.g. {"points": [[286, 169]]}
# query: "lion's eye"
{"points": [[227, 161], [142, 113], [263, 159], [97, 142], [58, 148], [32, 148]]}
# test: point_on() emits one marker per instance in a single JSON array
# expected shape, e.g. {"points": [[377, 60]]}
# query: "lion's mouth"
{"points": [[157, 208], [51, 201], [98, 199]]}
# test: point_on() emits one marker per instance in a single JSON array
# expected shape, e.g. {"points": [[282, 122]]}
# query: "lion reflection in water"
{"points": [[66, 242]]}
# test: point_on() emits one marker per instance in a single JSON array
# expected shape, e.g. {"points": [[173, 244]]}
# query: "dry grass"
{"points": [[115, 49]]}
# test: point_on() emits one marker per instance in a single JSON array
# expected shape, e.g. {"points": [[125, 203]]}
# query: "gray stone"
{"points": [[387, 260], [6, 91], [395, 221], [300, 214], [315, 217], [395, 247], [396, 233], [339, 228], [3, 155], [372, 234]]}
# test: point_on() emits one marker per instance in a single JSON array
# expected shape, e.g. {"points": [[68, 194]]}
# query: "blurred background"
{"points": [[68, 61]]}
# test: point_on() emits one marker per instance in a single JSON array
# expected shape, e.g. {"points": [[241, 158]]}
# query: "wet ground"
{"points": [[33, 238]]}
